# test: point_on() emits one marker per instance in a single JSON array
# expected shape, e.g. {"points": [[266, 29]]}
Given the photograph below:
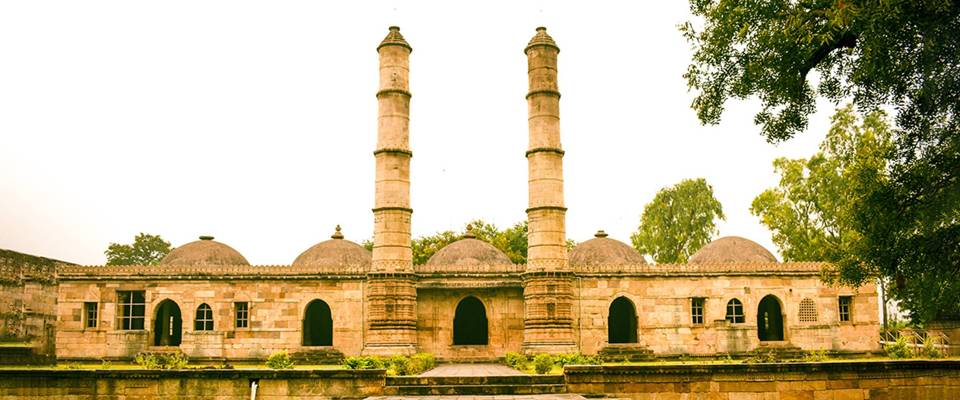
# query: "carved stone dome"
{"points": [[469, 251], [731, 249], [205, 251], [335, 251], [602, 250]]}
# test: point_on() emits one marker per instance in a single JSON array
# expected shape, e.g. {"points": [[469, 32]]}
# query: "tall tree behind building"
{"points": [[146, 249], [679, 221], [903, 54]]}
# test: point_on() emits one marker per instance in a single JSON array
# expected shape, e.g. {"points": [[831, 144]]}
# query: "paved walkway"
{"points": [[475, 370], [503, 397]]}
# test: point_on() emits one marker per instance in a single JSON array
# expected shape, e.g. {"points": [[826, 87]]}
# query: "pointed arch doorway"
{"points": [[622, 321]]}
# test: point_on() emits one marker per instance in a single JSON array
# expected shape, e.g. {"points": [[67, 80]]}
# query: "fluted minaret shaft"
{"points": [[391, 292], [547, 282], [546, 215]]}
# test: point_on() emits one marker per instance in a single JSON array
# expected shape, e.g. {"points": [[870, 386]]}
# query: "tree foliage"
{"points": [[811, 212], [511, 241], [679, 221], [904, 54], [146, 249]]}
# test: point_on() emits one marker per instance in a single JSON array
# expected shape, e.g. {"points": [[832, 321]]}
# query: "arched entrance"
{"points": [[470, 322], [317, 324], [167, 324], [622, 321], [770, 319]]}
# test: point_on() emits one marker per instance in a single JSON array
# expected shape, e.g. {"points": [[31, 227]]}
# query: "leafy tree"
{"points": [[511, 241], [146, 249], [904, 54], [811, 212], [679, 221]]}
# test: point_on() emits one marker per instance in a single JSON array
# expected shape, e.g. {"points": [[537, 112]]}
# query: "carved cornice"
{"points": [[394, 91]]}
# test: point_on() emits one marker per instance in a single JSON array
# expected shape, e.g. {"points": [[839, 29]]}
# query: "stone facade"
{"points": [[468, 302]]}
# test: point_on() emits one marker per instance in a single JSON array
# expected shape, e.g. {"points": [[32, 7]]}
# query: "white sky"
{"points": [[255, 122]]}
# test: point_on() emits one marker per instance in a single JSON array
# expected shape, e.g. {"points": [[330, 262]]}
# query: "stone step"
{"points": [[474, 390]]}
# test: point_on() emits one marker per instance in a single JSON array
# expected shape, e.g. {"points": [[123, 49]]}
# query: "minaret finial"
{"points": [[336, 233]]}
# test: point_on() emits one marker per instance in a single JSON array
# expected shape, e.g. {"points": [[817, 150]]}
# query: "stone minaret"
{"points": [[548, 284], [391, 293]]}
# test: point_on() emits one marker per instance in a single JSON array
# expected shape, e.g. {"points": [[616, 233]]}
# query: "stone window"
{"points": [[132, 309], [243, 314], [845, 308], [90, 314], [735, 312], [204, 319], [808, 310], [696, 310]]}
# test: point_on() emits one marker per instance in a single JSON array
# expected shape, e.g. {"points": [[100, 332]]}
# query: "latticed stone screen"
{"points": [[808, 311]]}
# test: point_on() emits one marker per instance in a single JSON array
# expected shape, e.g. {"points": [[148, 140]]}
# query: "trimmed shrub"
{"points": [[422, 362], [816, 356], [363, 362], [161, 360], [576, 359], [516, 361], [280, 360], [399, 365], [899, 349], [930, 349], [542, 363]]}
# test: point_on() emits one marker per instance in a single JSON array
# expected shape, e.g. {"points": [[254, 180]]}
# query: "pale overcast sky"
{"points": [[255, 122]]}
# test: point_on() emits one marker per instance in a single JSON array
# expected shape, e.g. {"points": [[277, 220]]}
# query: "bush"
{"points": [[399, 365], [930, 349], [516, 361], [363, 362], [899, 349], [760, 356], [816, 356], [280, 360], [576, 359], [422, 362], [161, 360], [542, 363]]}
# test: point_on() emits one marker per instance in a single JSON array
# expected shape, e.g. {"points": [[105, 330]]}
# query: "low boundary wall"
{"points": [[907, 380], [861, 380], [189, 384]]}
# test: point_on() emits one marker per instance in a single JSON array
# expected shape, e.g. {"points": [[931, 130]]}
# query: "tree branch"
{"points": [[847, 40]]}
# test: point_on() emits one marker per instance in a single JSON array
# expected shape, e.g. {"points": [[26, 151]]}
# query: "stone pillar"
{"points": [[548, 282], [391, 292]]}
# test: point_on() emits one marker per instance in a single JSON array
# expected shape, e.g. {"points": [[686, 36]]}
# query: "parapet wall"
{"points": [[907, 380]]}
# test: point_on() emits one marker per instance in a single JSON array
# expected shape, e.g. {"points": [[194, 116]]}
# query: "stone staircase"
{"points": [[474, 385]]}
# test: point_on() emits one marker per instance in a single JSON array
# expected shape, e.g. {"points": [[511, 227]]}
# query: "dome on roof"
{"points": [[602, 250], [732, 249], [469, 251], [335, 251], [205, 251]]}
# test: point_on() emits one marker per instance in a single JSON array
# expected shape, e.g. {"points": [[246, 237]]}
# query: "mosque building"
{"points": [[468, 302]]}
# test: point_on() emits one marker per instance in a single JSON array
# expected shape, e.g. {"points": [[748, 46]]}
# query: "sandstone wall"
{"points": [[889, 380], [435, 313], [665, 326], [28, 301], [276, 314]]}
